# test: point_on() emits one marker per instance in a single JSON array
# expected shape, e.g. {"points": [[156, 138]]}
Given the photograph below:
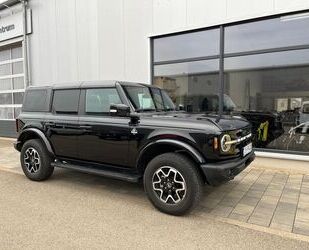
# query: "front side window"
{"points": [[149, 99], [157, 98], [141, 98], [99, 100]]}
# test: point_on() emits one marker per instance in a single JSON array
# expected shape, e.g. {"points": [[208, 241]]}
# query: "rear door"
{"points": [[61, 124], [103, 139]]}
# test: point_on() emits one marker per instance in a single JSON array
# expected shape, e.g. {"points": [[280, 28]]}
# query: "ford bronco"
{"points": [[131, 132]]}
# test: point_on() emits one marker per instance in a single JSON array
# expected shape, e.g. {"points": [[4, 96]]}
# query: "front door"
{"points": [[103, 139]]}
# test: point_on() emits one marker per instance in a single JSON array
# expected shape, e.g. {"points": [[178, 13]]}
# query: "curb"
{"points": [[264, 229]]}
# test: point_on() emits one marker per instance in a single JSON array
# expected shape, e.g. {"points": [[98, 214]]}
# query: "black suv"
{"points": [[131, 132]]}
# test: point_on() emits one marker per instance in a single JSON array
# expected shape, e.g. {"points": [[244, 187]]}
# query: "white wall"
{"points": [[103, 39]]}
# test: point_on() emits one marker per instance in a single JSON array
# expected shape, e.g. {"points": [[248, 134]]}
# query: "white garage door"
{"points": [[12, 84]]}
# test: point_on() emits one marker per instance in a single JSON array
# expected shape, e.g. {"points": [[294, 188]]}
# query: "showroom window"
{"points": [[187, 69], [261, 71], [12, 85]]}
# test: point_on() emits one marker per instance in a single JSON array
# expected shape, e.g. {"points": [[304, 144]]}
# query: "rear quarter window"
{"points": [[36, 100], [66, 101]]}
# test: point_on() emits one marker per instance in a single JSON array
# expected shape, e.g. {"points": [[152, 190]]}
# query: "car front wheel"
{"points": [[173, 183]]}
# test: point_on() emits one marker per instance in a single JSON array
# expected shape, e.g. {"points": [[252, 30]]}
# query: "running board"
{"points": [[101, 171]]}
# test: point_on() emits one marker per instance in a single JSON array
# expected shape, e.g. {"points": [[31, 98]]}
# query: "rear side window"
{"points": [[36, 100], [99, 100], [66, 101]]}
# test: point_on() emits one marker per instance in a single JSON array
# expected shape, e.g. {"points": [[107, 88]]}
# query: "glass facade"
{"points": [[12, 85], [264, 67]]}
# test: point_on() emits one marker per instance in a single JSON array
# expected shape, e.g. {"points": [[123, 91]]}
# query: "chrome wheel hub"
{"points": [[32, 160], [169, 185]]}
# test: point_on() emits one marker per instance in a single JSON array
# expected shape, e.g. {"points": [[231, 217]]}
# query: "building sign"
{"points": [[12, 26]]}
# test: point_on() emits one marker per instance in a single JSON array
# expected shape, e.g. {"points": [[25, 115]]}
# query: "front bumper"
{"points": [[220, 172]]}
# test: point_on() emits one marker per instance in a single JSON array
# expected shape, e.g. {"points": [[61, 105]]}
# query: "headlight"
{"points": [[224, 146]]}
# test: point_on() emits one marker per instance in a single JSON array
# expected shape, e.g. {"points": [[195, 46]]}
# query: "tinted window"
{"points": [[273, 33], [195, 44], [193, 85], [36, 100], [66, 101], [99, 100]]}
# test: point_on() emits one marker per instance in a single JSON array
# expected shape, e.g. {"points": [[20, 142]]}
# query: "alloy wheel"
{"points": [[169, 185], [32, 160]]}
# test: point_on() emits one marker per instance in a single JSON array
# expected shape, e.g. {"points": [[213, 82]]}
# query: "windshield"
{"points": [[149, 99]]}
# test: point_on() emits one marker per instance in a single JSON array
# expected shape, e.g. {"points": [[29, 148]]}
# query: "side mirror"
{"points": [[121, 110]]}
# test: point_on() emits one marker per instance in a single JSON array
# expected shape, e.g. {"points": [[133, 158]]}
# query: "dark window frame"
{"points": [[224, 55]]}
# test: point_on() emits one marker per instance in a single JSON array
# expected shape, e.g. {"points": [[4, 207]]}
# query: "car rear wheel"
{"points": [[173, 183], [35, 160]]}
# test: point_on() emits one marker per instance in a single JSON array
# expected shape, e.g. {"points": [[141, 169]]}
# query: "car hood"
{"points": [[196, 120]]}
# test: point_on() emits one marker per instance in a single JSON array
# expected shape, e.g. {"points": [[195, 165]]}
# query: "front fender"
{"points": [[27, 132], [179, 144]]}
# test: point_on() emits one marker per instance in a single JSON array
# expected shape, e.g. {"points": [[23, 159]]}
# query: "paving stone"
{"points": [[306, 178], [255, 193], [286, 207], [239, 217], [242, 212], [301, 227], [226, 205], [210, 203], [264, 210], [222, 211], [259, 219], [250, 201], [302, 213], [305, 190], [280, 226], [304, 198], [243, 209]]}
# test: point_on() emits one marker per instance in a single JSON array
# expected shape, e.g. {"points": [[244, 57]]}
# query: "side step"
{"points": [[123, 175]]}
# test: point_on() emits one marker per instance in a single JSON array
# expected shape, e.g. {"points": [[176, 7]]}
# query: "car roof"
{"points": [[89, 84]]}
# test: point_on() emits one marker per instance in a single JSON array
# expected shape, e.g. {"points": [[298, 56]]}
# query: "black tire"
{"points": [[192, 180], [36, 172]]}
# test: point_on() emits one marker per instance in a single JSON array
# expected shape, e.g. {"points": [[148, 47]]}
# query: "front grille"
{"points": [[237, 134]]}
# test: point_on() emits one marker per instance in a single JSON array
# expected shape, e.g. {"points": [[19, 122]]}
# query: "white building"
{"points": [[255, 51]]}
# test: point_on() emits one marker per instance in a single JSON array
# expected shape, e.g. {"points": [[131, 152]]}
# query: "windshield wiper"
{"points": [[145, 110]]}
